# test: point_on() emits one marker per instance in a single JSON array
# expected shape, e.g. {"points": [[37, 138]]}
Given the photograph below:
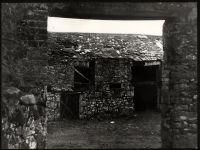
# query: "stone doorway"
{"points": [[69, 105], [146, 87], [145, 97]]}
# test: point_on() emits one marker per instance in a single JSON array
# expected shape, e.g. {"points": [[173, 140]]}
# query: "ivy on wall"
{"points": [[18, 69]]}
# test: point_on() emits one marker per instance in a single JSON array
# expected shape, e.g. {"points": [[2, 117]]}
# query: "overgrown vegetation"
{"points": [[18, 68], [22, 72]]}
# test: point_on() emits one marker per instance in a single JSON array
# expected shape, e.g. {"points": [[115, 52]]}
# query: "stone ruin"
{"points": [[104, 74]]}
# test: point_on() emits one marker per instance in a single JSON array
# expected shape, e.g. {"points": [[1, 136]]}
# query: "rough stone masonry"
{"points": [[112, 56], [24, 121], [104, 99]]}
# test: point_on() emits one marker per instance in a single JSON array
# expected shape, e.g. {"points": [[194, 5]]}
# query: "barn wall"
{"points": [[102, 99]]}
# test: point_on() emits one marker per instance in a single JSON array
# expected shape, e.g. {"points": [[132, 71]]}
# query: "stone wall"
{"points": [[103, 99], [98, 98], [24, 122], [179, 105], [53, 106], [61, 76]]}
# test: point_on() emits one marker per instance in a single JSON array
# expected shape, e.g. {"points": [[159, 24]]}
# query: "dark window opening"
{"points": [[115, 85], [115, 89], [49, 88], [83, 77]]}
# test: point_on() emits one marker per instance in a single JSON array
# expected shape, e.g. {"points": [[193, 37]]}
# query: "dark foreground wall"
{"points": [[24, 121], [24, 124], [179, 105]]}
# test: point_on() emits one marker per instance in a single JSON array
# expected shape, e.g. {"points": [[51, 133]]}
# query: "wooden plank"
{"points": [[146, 82], [80, 83], [82, 75], [158, 98], [118, 10], [152, 63]]}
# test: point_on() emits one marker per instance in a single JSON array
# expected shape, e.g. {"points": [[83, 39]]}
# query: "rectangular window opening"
{"points": [[83, 77], [115, 85]]}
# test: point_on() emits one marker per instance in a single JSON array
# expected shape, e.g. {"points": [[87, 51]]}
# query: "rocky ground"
{"points": [[140, 131]]}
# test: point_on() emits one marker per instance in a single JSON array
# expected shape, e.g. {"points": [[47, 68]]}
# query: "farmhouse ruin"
{"points": [[110, 73]]}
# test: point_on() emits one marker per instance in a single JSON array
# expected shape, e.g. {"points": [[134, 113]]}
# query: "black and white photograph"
{"points": [[99, 75]]}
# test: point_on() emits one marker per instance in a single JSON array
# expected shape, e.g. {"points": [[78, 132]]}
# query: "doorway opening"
{"points": [[69, 105], [147, 89]]}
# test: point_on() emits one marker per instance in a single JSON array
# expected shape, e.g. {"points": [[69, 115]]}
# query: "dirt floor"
{"points": [[140, 131]]}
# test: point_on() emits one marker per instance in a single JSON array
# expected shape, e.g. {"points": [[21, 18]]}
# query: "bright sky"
{"points": [[150, 27]]}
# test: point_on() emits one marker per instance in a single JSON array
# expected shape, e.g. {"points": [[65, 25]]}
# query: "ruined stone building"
{"points": [[108, 73]]}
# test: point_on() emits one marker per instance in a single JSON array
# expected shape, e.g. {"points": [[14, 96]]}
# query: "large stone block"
{"points": [[185, 141]]}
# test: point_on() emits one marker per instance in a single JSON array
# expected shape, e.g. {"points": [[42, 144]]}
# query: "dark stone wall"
{"points": [[24, 122], [22, 50], [179, 105]]}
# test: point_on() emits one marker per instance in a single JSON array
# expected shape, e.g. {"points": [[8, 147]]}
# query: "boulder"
{"points": [[12, 90], [28, 100], [10, 97]]}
